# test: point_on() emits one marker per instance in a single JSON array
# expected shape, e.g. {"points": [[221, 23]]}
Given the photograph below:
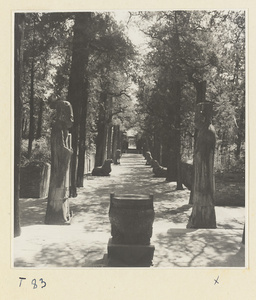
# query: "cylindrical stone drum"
{"points": [[131, 217]]}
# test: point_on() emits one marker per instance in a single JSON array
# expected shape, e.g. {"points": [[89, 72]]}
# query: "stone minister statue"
{"points": [[58, 211], [203, 212]]}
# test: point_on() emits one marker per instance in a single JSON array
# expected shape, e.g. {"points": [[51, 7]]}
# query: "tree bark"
{"points": [[172, 166], [243, 237], [165, 153], [240, 135], [200, 87], [156, 147], [31, 102], [109, 146], [18, 58], [102, 130], [115, 142], [82, 138], [76, 84], [119, 137], [24, 127], [31, 111], [177, 134], [40, 117]]}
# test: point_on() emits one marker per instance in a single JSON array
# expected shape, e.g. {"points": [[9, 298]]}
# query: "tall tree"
{"points": [[77, 84], [198, 47], [32, 92], [18, 58], [112, 57]]}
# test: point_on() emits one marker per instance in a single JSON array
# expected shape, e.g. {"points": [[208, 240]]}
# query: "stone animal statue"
{"points": [[158, 170], [104, 170], [149, 159]]}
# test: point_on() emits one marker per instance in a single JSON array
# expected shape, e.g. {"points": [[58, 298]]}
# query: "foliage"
{"points": [[186, 46], [192, 46], [40, 153]]}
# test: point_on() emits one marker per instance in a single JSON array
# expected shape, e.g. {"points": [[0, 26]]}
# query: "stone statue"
{"points": [[58, 211], [149, 158], [118, 156], [103, 170], [203, 188], [158, 170]]}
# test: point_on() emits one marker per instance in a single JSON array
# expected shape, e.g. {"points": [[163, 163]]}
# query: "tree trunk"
{"points": [[82, 138], [177, 134], [240, 137], [200, 87], [161, 153], [31, 102], [31, 111], [77, 83], [172, 157], [110, 127], [115, 142], [203, 212], [101, 138], [156, 148], [99, 148], [18, 57], [109, 145], [121, 141], [165, 152], [243, 237], [24, 127], [172, 166], [119, 137], [40, 117]]}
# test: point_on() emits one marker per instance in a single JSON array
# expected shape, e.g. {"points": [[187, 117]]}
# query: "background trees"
{"points": [[18, 59], [84, 58], [202, 53], [88, 59]]}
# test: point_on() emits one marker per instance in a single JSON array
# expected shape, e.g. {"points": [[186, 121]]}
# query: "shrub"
{"points": [[41, 151]]}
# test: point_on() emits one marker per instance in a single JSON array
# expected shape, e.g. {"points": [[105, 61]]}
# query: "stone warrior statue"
{"points": [[58, 211], [203, 212]]}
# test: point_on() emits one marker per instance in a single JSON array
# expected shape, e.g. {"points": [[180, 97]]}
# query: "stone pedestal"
{"points": [[120, 255], [131, 217]]}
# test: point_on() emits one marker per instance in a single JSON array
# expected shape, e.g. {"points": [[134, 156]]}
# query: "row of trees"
{"points": [[87, 59], [84, 58], [194, 56]]}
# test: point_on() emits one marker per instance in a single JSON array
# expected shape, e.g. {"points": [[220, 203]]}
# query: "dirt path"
{"points": [[84, 243]]}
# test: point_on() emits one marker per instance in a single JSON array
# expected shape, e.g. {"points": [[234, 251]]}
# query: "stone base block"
{"points": [[120, 255]]}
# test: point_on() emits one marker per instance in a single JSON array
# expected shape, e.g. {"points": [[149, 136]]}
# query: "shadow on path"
{"points": [[84, 243]]}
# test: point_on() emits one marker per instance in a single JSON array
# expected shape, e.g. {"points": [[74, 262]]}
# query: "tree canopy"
{"points": [[133, 86]]}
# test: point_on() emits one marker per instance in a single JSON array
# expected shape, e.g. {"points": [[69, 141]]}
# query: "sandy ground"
{"points": [[84, 242]]}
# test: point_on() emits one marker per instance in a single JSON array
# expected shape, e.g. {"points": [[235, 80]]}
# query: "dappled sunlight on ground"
{"points": [[196, 248], [84, 242], [32, 211]]}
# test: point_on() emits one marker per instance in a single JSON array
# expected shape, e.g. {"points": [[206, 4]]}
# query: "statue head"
{"points": [[64, 113], [204, 112]]}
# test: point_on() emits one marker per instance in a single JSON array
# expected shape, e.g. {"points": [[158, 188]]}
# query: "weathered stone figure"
{"points": [[158, 170], [103, 170], [118, 156], [58, 211], [148, 158], [203, 212]]}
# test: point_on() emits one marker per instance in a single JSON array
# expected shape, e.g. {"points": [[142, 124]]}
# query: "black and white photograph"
{"points": [[130, 139]]}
